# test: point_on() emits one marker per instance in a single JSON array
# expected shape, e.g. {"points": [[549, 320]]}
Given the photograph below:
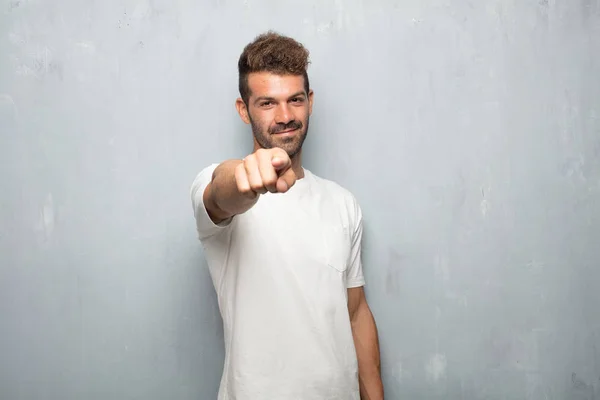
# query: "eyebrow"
{"points": [[263, 98]]}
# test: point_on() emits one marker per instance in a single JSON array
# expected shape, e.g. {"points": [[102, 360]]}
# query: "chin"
{"points": [[293, 152]]}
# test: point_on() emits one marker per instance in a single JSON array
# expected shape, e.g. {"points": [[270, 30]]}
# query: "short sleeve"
{"points": [[354, 272], [204, 224]]}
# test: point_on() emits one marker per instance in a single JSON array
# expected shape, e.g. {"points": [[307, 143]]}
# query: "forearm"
{"points": [[366, 342], [222, 197]]}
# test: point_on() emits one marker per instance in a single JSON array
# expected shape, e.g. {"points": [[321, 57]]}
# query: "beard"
{"points": [[265, 136]]}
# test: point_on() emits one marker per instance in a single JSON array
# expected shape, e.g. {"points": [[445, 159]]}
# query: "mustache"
{"points": [[284, 127]]}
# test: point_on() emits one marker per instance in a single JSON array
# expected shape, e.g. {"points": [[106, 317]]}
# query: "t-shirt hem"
{"points": [[205, 224], [355, 283], [221, 225]]}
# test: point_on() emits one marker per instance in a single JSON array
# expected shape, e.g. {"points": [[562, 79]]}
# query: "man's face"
{"points": [[278, 110]]}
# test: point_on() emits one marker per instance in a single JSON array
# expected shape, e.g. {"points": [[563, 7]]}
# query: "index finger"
{"points": [[280, 163]]}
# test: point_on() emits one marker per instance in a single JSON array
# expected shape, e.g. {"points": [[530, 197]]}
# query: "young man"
{"points": [[284, 249]]}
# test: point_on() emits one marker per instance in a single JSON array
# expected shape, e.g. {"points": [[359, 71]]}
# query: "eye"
{"points": [[266, 103], [297, 100]]}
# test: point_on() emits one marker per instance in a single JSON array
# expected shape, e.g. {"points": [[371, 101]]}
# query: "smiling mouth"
{"points": [[284, 132]]}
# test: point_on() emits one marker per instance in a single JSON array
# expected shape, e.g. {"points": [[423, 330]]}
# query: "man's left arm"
{"points": [[364, 330], [366, 342]]}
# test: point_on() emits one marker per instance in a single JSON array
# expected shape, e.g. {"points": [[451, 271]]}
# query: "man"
{"points": [[284, 249]]}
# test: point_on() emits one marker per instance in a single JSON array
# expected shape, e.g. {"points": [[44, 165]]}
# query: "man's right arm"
{"points": [[235, 185], [222, 198]]}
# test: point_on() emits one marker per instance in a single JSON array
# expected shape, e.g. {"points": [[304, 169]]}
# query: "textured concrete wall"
{"points": [[468, 130]]}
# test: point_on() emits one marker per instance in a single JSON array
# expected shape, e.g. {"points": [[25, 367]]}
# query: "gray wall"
{"points": [[468, 130]]}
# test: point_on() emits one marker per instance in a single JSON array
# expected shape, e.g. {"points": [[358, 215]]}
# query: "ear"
{"points": [[242, 110], [311, 95]]}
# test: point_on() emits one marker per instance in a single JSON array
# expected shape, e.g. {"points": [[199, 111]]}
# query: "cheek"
{"points": [[300, 112], [304, 114], [260, 120]]}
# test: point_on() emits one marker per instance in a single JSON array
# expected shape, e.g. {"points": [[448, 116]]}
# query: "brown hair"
{"points": [[275, 53]]}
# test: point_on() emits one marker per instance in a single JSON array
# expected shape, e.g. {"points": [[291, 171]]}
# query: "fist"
{"points": [[265, 170]]}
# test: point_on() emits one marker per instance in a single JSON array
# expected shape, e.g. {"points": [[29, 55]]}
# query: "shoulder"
{"points": [[335, 189], [341, 195], [205, 174]]}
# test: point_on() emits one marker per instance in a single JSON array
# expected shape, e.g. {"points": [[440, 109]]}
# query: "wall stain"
{"points": [[580, 390]]}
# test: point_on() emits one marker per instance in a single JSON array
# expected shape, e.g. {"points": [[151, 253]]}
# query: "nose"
{"points": [[284, 114]]}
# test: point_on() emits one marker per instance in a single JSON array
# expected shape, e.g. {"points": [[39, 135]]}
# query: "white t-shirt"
{"points": [[281, 272]]}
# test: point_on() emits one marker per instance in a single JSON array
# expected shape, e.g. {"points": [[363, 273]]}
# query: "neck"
{"points": [[297, 165]]}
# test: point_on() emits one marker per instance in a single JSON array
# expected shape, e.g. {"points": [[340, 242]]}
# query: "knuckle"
{"points": [[244, 189], [239, 181], [270, 181]]}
